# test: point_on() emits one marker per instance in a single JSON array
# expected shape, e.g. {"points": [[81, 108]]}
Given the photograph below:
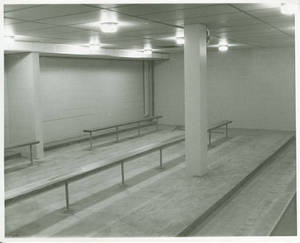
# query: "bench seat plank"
{"points": [[220, 124], [22, 145], [121, 124]]}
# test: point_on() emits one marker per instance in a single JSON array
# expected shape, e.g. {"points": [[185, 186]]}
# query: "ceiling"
{"points": [[243, 25]]}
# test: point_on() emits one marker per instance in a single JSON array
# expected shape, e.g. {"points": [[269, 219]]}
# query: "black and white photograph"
{"points": [[162, 119]]}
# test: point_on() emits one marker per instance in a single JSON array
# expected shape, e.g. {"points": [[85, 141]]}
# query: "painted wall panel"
{"points": [[22, 101], [19, 115], [169, 89], [252, 87], [82, 93]]}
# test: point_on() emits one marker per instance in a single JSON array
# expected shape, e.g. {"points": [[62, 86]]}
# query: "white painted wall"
{"points": [[252, 87], [80, 93], [22, 101], [18, 116], [169, 89]]}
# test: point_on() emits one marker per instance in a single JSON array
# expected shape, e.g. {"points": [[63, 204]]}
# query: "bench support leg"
{"points": [[31, 158], [91, 141], [157, 125], [226, 130], [160, 158], [139, 129], [67, 195], [122, 173], [209, 138], [117, 134]]}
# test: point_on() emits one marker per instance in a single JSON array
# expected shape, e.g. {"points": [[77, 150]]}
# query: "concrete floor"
{"points": [[253, 211], [154, 202], [287, 225]]}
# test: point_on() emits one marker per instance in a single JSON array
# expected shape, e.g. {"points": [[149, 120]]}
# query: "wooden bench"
{"points": [[35, 188], [30, 144], [218, 125], [117, 130]]}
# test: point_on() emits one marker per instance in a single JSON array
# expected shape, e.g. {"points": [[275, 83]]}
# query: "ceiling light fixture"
{"points": [[148, 51], [286, 9], [94, 43], [109, 27], [223, 48], [10, 39], [180, 40], [94, 47]]}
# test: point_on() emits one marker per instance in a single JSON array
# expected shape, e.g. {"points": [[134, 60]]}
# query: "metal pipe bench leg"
{"points": [[91, 141], [209, 138], [67, 195], [117, 134], [122, 173], [160, 159], [226, 130], [31, 157], [156, 124], [139, 129]]}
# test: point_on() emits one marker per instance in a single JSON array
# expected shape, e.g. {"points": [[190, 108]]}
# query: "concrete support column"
{"points": [[23, 102], [36, 106], [152, 88], [148, 88], [195, 99]]}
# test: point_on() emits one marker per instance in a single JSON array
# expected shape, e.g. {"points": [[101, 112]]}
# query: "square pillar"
{"points": [[23, 102], [36, 106], [148, 90], [195, 99]]}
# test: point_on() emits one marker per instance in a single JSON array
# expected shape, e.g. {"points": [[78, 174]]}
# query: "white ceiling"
{"points": [[244, 25]]}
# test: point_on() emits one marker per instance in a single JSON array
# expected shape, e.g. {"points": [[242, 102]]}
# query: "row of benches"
{"points": [[32, 189], [29, 144], [139, 124], [216, 126]]}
